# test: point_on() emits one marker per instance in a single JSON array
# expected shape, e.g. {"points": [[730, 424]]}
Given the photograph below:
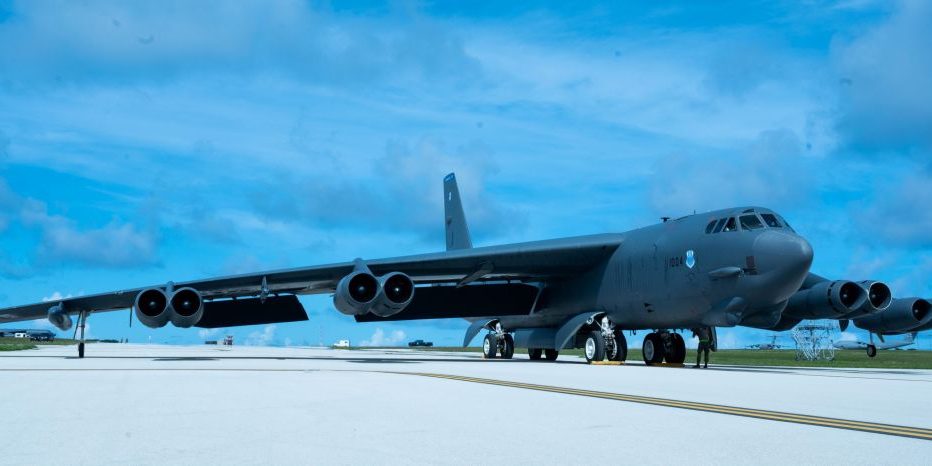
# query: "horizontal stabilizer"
{"points": [[441, 302], [252, 311]]}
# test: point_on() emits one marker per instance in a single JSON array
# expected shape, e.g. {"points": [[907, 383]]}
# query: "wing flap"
{"points": [[252, 311]]}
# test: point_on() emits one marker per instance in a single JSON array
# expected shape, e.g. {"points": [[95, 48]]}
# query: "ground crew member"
{"points": [[705, 342]]}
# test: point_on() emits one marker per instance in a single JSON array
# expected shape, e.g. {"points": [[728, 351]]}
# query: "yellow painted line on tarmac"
{"points": [[871, 427]]}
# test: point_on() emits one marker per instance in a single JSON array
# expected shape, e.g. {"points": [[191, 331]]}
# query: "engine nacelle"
{"points": [[59, 317], [878, 298], [397, 293], [152, 308], [356, 293], [826, 300], [902, 315], [186, 307]]}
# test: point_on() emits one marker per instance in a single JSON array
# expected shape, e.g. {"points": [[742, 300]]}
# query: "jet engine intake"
{"points": [[902, 315], [826, 300], [878, 298], [356, 293], [152, 308], [397, 293], [187, 307], [59, 318]]}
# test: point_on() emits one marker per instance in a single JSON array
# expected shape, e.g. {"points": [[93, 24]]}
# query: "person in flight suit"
{"points": [[705, 343]]}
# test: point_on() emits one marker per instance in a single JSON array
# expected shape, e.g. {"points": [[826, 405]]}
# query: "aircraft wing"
{"points": [[533, 261]]}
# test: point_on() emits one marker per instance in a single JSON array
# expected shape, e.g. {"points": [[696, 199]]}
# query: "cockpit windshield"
{"points": [[748, 221], [771, 220], [751, 222]]}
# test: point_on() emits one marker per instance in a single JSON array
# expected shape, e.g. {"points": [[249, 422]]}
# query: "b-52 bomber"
{"points": [[740, 266]]}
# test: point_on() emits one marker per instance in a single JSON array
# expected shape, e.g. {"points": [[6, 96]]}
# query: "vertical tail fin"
{"points": [[455, 219]]}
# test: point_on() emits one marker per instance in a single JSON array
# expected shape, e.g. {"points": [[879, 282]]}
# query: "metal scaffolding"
{"points": [[815, 340]]}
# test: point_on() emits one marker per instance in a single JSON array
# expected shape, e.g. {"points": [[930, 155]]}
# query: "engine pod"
{"points": [[826, 300], [59, 317], [356, 293], [151, 308], [902, 315], [186, 307], [397, 293]]}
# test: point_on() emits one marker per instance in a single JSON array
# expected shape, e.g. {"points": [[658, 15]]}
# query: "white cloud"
{"points": [[379, 338], [263, 338], [56, 296], [206, 333]]}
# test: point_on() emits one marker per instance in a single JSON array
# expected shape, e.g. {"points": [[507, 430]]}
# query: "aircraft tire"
{"points": [[594, 348], [652, 349], [489, 347], [508, 347], [678, 355], [871, 351], [535, 353], [621, 347], [81, 349], [551, 354]]}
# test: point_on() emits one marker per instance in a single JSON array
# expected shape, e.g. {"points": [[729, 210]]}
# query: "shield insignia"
{"points": [[690, 259]]}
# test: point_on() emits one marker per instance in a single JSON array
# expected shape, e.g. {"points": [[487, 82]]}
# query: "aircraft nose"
{"points": [[784, 256]]}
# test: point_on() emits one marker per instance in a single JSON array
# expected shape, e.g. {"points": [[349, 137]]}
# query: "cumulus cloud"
{"points": [[380, 338], [54, 41], [206, 333], [116, 245], [886, 100], [766, 172], [899, 214], [262, 338], [402, 191], [56, 296]]}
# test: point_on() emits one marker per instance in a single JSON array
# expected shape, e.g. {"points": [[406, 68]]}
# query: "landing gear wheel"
{"points": [[620, 352], [595, 347], [489, 347], [535, 353], [508, 346], [678, 353], [81, 349], [652, 349], [551, 354], [871, 351]]}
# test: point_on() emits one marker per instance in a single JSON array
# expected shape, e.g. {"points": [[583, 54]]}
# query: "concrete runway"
{"points": [[142, 404]]}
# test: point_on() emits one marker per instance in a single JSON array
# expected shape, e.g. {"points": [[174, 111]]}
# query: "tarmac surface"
{"points": [[149, 404]]}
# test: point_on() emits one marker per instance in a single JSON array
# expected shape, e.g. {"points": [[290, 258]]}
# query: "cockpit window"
{"points": [[751, 222], [730, 225], [719, 225], [709, 227], [771, 220]]}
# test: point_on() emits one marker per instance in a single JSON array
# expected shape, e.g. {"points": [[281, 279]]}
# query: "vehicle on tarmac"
{"points": [[738, 266]]}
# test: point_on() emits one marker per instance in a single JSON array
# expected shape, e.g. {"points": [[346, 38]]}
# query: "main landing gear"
{"points": [[497, 342], [604, 342], [664, 345]]}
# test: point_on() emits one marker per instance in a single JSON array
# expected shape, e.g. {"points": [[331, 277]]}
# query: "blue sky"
{"points": [[145, 142]]}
